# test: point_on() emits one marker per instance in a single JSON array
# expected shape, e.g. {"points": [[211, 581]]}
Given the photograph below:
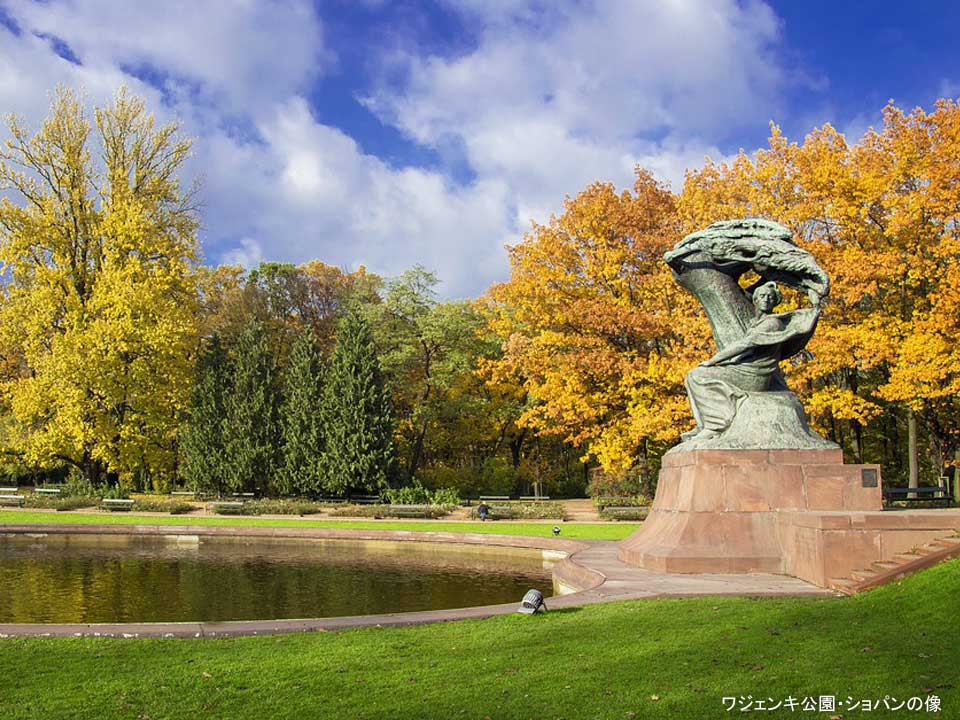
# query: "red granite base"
{"points": [[819, 546], [734, 510]]}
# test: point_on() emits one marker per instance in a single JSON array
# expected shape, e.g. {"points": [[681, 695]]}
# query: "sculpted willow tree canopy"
{"points": [[739, 397], [98, 315]]}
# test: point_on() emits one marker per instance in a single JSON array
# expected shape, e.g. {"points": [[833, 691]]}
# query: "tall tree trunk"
{"points": [[956, 475], [645, 484], [914, 475], [896, 456], [536, 482], [854, 383], [417, 451], [857, 441], [516, 446]]}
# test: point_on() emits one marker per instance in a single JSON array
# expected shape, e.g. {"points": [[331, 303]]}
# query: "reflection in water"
{"points": [[88, 578]]}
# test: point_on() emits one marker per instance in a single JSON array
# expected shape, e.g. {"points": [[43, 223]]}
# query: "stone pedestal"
{"points": [[725, 510]]}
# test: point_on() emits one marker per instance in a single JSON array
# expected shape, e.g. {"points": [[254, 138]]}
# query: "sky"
{"points": [[389, 134]]}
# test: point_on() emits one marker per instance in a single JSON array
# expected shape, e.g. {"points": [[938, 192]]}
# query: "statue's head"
{"points": [[767, 297]]}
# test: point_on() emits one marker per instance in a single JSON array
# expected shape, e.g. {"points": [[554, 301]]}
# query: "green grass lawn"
{"points": [[662, 658], [591, 531]]}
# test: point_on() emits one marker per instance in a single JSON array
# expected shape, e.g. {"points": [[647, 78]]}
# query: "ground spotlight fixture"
{"points": [[532, 603], [556, 529]]}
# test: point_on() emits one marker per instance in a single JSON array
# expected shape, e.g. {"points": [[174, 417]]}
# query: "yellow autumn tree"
{"points": [[595, 330], [880, 216], [98, 309]]}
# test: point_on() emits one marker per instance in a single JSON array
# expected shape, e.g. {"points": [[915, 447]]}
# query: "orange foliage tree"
{"points": [[595, 331], [881, 218]]}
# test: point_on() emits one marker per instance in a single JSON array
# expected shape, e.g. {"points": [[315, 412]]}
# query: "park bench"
{"points": [[224, 507], [331, 499], [365, 499], [534, 498], [184, 493], [501, 512], [9, 490], [247, 496], [495, 498], [11, 499], [47, 491], [113, 504], [419, 511], [612, 502], [923, 493], [626, 512]]}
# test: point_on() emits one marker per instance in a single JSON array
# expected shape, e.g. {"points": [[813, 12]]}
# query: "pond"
{"points": [[115, 578]]}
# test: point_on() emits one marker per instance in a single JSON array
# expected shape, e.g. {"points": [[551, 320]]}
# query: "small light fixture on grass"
{"points": [[556, 529], [532, 603]]}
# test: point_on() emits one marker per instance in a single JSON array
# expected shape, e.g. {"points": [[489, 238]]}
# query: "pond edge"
{"points": [[570, 577]]}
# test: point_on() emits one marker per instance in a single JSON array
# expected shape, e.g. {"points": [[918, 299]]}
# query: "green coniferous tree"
{"points": [[300, 417], [251, 428], [357, 416], [202, 441]]}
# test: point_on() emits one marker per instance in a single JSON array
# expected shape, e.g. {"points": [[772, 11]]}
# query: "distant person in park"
{"points": [[483, 510], [750, 364]]}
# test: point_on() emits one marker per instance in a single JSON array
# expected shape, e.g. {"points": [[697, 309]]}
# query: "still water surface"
{"points": [[89, 578]]}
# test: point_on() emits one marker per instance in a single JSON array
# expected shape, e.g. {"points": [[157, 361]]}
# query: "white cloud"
{"points": [[856, 127], [29, 71], [310, 192], [553, 96], [948, 89], [249, 254], [550, 106], [243, 56]]}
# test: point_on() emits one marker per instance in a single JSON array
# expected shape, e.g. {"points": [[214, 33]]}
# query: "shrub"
{"points": [[622, 483], [282, 506], [72, 482], [497, 477], [14, 474], [78, 486], [625, 513], [415, 494], [446, 496], [116, 492]]}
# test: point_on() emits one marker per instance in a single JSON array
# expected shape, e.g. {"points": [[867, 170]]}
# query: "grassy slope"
{"points": [[592, 531], [604, 661]]}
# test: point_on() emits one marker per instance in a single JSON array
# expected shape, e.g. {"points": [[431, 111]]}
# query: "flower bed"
{"points": [[379, 511], [523, 511], [602, 501], [283, 506], [55, 502], [174, 507], [625, 513]]}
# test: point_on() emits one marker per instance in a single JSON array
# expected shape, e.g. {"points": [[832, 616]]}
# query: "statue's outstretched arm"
{"points": [[728, 353]]}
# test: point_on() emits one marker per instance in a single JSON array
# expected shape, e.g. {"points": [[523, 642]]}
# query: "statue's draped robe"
{"points": [[715, 390]]}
